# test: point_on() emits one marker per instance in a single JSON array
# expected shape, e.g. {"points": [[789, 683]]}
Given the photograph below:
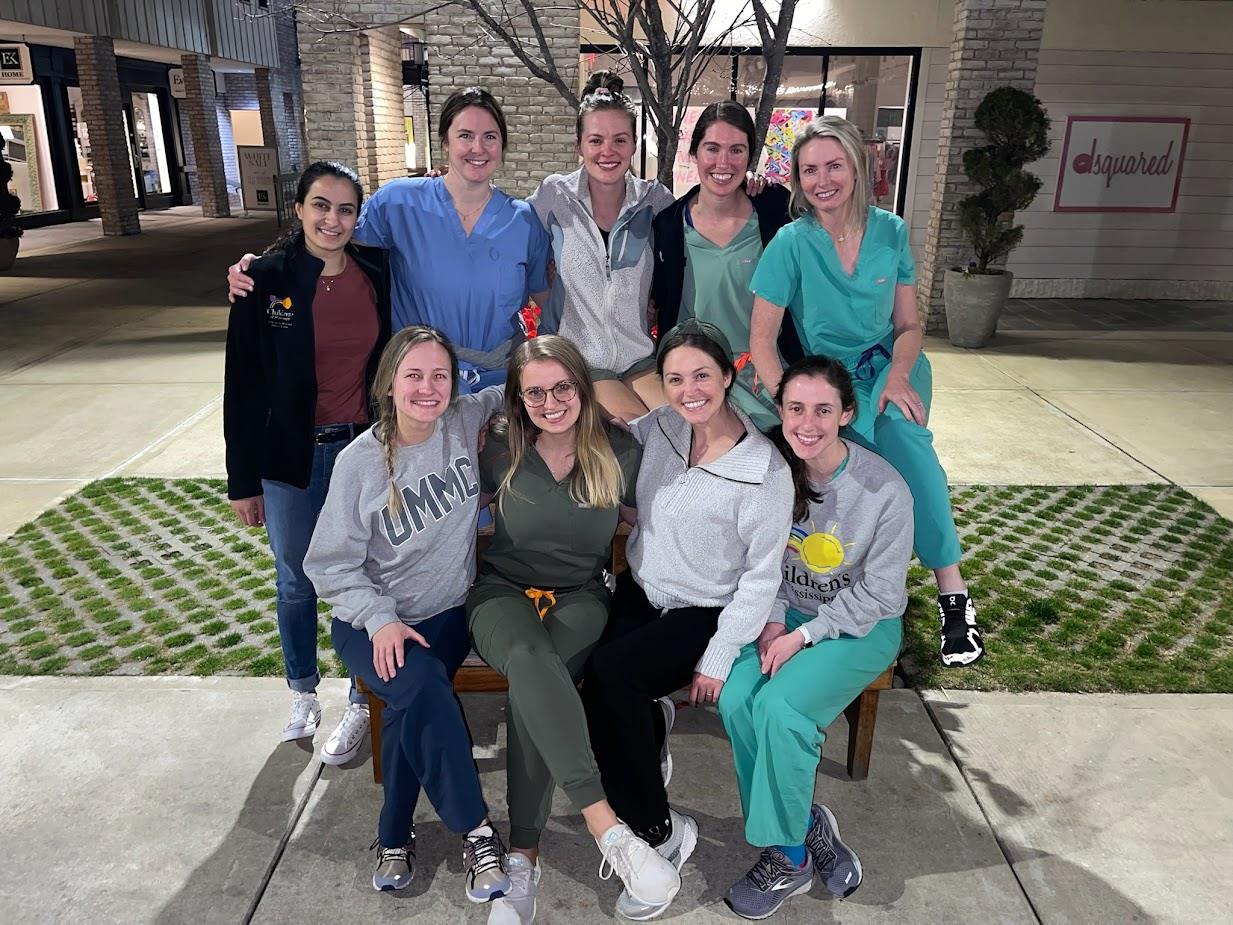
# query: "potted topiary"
{"points": [[1018, 131], [10, 205]]}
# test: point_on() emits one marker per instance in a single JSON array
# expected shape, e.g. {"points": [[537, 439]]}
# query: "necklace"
{"points": [[328, 281], [464, 217]]}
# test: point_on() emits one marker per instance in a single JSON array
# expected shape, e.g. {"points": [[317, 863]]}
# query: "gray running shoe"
{"points": [[768, 885], [483, 867], [395, 866], [676, 850], [836, 864]]}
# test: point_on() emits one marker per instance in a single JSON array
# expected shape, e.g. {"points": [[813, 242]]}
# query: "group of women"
{"points": [[767, 570]]}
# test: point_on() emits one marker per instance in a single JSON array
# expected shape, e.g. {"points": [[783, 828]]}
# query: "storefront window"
{"points": [[872, 92], [81, 145], [27, 149], [149, 137]]}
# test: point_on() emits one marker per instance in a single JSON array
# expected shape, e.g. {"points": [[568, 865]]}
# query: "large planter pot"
{"points": [[973, 305], [8, 252]]}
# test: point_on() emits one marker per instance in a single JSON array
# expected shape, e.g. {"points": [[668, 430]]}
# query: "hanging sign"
{"points": [[175, 79], [15, 67], [1121, 164], [258, 177]]}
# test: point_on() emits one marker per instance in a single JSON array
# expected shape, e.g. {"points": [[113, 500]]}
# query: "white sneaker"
{"points": [[665, 756], [345, 741], [676, 849], [648, 876], [517, 907], [305, 716]]}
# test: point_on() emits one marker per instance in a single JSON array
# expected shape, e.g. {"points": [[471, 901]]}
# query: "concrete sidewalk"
{"points": [[169, 800]]}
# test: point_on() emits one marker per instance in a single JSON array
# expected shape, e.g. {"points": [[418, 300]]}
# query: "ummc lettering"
{"points": [[435, 496], [1112, 165]]}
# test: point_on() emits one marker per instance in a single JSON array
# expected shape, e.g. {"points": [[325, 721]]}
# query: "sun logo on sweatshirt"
{"points": [[819, 552]]}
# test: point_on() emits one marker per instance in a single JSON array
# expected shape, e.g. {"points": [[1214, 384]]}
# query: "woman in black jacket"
{"points": [[707, 245], [302, 349]]}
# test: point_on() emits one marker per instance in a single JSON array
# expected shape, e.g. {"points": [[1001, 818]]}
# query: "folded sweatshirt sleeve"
{"points": [[878, 593], [764, 522], [338, 551]]}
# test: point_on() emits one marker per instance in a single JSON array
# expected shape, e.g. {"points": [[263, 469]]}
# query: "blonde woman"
{"points": [[394, 554], [844, 270], [561, 479]]}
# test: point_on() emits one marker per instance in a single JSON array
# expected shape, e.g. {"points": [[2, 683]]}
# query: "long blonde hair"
{"points": [[386, 427], [596, 480], [853, 144]]}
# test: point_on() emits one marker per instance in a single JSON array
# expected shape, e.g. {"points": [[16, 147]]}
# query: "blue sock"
{"points": [[794, 853]]}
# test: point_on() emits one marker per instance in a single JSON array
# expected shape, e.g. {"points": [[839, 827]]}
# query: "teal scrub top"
{"points": [[836, 314], [717, 280]]}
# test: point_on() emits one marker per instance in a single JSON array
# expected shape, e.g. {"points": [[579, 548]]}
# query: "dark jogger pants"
{"points": [[424, 738], [645, 655]]}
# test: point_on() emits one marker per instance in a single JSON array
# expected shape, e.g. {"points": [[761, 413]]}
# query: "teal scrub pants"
{"points": [[909, 448], [776, 724]]}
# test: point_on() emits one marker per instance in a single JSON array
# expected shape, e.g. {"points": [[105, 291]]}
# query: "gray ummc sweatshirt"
{"points": [[599, 296], [710, 535], [846, 564], [374, 566]]}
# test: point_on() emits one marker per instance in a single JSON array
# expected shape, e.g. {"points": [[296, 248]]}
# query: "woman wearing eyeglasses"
{"points": [[561, 480]]}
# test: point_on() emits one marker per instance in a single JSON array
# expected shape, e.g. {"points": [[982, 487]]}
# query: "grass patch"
{"points": [[1078, 589]]}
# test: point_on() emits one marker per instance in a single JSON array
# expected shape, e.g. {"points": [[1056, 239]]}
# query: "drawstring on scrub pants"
{"points": [[543, 601]]}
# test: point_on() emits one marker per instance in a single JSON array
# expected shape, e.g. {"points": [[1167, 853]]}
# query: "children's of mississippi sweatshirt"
{"points": [[846, 564], [374, 565]]}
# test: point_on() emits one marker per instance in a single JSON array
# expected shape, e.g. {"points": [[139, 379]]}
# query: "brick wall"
{"points": [[204, 125], [996, 43], [541, 123], [288, 97], [353, 91], [100, 94]]}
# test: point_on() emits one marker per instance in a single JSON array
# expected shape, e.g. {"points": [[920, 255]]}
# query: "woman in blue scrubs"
{"points": [[844, 271], [465, 257]]}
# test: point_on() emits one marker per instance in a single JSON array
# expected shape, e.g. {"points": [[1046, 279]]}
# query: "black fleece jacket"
{"points": [[771, 206], [270, 381]]}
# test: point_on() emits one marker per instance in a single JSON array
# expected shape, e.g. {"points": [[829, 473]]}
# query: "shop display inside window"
{"points": [[148, 138], [21, 151], [81, 145]]}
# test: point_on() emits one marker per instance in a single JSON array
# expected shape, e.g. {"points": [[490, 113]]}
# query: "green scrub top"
{"points": [[542, 537], [836, 314], [716, 289]]}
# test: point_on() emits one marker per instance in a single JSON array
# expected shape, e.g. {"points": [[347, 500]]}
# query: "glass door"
{"points": [[143, 120]]}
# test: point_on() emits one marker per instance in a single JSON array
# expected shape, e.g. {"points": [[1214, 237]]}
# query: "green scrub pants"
{"points": [[909, 448], [776, 724], [542, 660]]}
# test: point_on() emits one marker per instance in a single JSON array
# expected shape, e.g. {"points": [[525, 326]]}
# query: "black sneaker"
{"points": [[769, 884], [961, 642], [395, 866], [835, 864]]}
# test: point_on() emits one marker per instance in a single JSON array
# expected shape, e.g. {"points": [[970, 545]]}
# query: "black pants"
{"points": [[644, 655]]}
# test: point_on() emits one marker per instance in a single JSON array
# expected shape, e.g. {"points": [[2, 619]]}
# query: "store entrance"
{"points": [[145, 128]]}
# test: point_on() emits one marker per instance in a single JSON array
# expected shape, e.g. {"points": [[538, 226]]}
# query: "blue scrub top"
{"points": [[837, 314], [470, 287]]}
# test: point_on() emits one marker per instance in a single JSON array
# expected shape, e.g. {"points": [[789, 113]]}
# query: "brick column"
{"points": [[109, 145], [333, 99], [265, 103], [996, 43], [383, 112], [207, 144]]}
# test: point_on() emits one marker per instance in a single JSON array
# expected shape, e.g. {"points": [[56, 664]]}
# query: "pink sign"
{"points": [[1121, 164]]}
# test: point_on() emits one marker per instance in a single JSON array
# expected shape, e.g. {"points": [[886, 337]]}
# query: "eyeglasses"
{"points": [[563, 391]]}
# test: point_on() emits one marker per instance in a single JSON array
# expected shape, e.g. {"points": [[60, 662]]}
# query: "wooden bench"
{"points": [[476, 677]]}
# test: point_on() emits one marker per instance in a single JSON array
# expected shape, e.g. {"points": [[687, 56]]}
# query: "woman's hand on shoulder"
{"points": [[388, 648], [251, 511], [704, 689], [239, 283], [779, 651]]}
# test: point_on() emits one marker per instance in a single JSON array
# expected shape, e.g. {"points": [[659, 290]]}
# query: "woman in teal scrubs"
{"points": [[844, 270]]}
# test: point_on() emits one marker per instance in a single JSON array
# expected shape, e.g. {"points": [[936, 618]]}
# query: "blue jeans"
{"points": [[424, 738], [290, 516]]}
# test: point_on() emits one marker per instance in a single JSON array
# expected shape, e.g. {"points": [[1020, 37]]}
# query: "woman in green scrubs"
{"points": [[708, 243], [844, 271]]}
